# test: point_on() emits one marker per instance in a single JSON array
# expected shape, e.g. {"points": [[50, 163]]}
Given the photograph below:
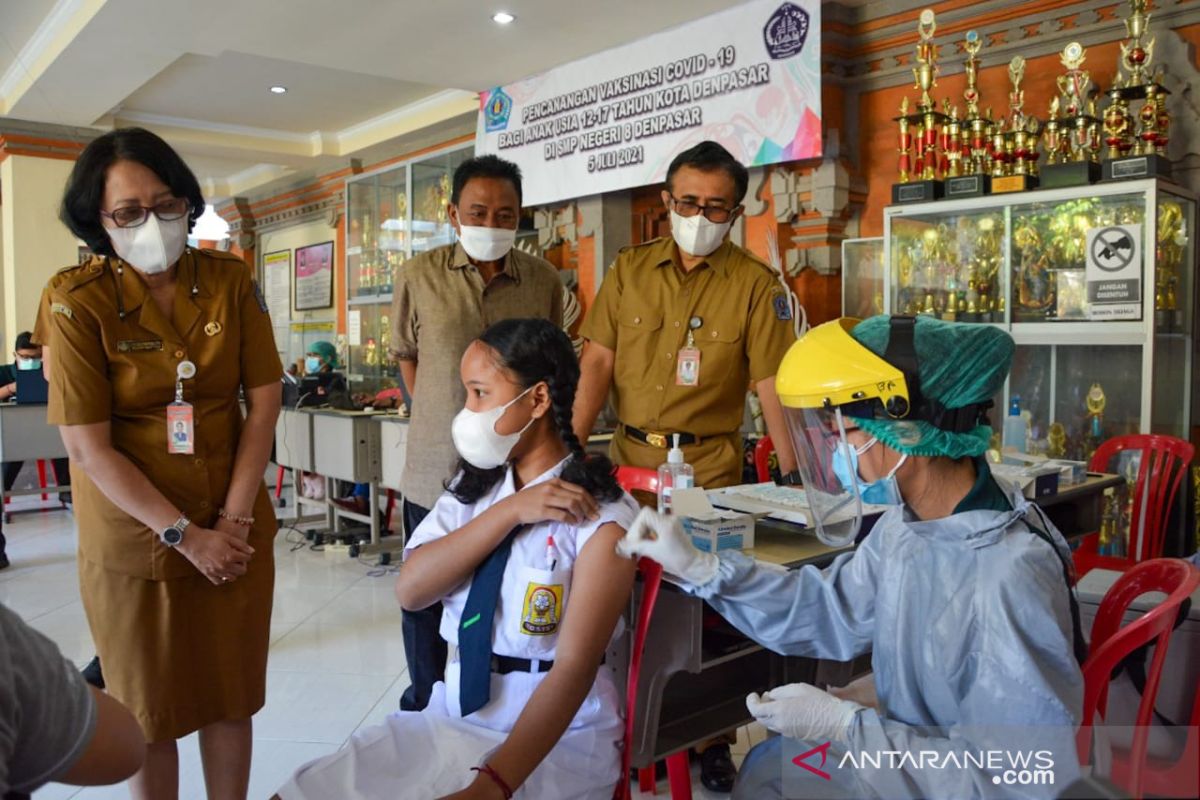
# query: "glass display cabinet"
{"points": [[391, 214], [862, 271], [1094, 283]]}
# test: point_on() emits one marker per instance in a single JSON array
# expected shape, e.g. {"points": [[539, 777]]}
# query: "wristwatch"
{"points": [[173, 535], [791, 479]]}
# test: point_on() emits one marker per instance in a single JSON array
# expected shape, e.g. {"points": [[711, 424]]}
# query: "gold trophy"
{"points": [[927, 167], [905, 141], [1019, 169], [967, 175], [1139, 155], [1056, 440], [1070, 160]]}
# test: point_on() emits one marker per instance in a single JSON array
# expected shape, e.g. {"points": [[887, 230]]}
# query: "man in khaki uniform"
{"points": [[678, 335], [443, 300], [681, 327]]}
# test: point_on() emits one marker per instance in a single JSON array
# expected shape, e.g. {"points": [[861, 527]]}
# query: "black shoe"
{"points": [[717, 771], [4, 562], [660, 771], [92, 674]]}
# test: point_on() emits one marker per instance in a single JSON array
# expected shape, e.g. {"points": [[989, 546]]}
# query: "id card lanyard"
{"points": [[687, 366], [181, 419]]}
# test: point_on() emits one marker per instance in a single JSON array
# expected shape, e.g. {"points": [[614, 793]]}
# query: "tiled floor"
{"points": [[336, 658]]}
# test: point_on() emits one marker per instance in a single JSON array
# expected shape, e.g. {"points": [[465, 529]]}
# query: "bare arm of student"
{"points": [[773, 416], [437, 567], [595, 381], [408, 372], [216, 554], [600, 591], [117, 748]]}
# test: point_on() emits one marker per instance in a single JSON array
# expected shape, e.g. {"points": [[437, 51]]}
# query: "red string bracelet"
{"points": [[486, 769]]}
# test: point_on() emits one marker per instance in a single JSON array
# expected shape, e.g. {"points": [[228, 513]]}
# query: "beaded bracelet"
{"points": [[245, 522], [486, 769]]}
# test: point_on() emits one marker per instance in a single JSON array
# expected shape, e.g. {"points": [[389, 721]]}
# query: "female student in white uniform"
{"points": [[543, 717]]}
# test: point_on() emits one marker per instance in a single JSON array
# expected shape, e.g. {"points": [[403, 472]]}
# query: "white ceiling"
{"points": [[360, 73]]}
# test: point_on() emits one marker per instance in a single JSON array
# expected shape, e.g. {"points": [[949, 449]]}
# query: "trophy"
{"points": [[1071, 158], [1140, 154], [969, 162], [1016, 148], [924, 183], [1170, 249]]}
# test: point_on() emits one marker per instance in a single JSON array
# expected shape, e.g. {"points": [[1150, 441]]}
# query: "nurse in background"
{"points": [[520, 551]]}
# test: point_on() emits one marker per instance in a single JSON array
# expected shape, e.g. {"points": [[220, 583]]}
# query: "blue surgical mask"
{"points": [[28, 364], [883, 492], [312, 364]]}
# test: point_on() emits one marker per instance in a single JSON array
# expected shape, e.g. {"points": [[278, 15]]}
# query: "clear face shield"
{"points": [[835, 509]]}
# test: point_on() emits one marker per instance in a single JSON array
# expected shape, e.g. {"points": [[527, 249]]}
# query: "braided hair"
{"points": [[536, 351]]}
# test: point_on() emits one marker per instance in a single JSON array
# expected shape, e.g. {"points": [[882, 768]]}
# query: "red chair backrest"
{"points": [[639, 479], [762, 458], [1111, 643], [1164, 462], [651, 581]]}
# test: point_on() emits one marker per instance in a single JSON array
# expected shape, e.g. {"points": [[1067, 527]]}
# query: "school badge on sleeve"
{"points": [[542, 609]]}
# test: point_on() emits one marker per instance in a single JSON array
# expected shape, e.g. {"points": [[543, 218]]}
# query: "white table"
{"points": [[347, 447], [26, 436]]}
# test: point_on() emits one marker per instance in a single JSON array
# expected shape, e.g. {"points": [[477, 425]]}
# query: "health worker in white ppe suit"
{"points": [[960, 591]]}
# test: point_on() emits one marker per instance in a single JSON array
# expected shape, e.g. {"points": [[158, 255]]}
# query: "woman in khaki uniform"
{"points": [[175, 531]]}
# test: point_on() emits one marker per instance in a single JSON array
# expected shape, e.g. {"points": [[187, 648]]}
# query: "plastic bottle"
{"points": [[675, 473], [1015, 427]]}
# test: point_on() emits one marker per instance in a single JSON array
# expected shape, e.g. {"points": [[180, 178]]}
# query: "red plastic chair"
{"points": [[762, 458], [1163, 778], [678, 769], [638, 479], [1164, 462], [1111, 643]]}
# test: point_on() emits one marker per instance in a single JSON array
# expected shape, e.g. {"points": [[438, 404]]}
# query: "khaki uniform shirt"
{"points": [[439, 307], [108, 369], [642, 313]]}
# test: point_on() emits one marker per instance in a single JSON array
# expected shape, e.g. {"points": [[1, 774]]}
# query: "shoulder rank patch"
{"points": [[258, 295], [59, 308], [783, 309]]}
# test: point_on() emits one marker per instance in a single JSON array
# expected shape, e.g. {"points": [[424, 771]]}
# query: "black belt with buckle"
{"points": [[660, 440], [502, 665]]}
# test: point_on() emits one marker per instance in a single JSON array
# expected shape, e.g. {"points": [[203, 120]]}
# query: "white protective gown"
{"points": [[968, 622], [428, 754]]}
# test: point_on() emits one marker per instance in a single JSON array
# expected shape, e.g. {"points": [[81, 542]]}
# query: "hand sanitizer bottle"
{"points": [[1015, 427], [675, 473]]}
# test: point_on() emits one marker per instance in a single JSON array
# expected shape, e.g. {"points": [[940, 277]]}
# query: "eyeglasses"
{"points": [[686, 208], [133, 216]]}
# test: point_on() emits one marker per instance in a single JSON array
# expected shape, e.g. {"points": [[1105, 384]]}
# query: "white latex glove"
{"points": [[661, 538], [801, 711]]}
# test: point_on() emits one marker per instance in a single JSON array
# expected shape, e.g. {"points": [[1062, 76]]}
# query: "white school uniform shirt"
{"points": [[533, 598], [429, 754]]}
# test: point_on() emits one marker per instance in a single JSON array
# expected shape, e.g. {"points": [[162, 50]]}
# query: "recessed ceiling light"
{"points": [[502, 18], [278, 90]]}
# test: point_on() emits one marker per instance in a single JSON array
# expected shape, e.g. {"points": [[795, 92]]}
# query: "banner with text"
{"points": [[748, 78]]}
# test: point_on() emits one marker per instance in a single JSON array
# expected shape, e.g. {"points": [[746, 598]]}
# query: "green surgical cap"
{"points": [[958, 364], [326, 351]]}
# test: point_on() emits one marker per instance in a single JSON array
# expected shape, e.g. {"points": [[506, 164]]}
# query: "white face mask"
{"points": [[475, 437], [696, 235], [153, 246], [486, 244]]}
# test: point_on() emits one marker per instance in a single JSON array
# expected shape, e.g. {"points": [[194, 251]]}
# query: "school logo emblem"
{"points": [[542, 609], [786, 31], [783, 309], [497, 110]]}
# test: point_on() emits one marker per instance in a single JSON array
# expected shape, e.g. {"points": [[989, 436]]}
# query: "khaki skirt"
{"points": [[182, 654]]}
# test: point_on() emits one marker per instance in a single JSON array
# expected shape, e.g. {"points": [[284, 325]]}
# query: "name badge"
{"points": [[144, 346], [687, 367], [181, 429]]}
